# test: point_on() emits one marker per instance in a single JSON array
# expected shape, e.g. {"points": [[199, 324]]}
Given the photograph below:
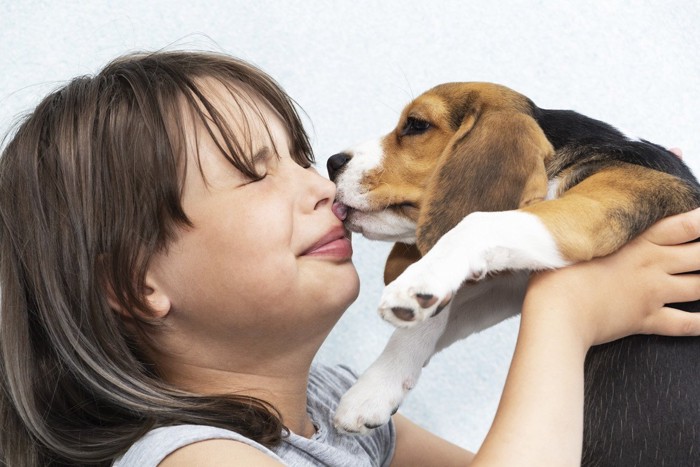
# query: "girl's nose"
{"points": [[325, 191], [318, 190]]}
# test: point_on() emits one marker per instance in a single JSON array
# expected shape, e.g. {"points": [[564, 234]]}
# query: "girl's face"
{"points": [[265, 259]]}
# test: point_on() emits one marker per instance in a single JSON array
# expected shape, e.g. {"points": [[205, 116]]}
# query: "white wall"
{"points": [[352, 65]]}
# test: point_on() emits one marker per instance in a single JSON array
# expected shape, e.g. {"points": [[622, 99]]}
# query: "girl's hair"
{"points": [[90, 189]]}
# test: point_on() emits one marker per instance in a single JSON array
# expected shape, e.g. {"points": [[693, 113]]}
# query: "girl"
{"points": [[170, 263]]}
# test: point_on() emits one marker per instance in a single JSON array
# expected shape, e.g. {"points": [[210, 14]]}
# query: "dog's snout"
{"points": [[336, 163]]}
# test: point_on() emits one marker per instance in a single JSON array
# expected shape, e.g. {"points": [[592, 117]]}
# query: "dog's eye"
{"points": [[415, 126]]}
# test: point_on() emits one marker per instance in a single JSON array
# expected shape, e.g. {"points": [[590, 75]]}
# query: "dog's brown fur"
{"points": [[466, 147], [486, 151]]}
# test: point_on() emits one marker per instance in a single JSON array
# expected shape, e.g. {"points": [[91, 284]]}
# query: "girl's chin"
{"points": [[345, 293]]}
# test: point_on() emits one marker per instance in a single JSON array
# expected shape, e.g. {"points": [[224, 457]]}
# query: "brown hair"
{"points": [[90, 189]]}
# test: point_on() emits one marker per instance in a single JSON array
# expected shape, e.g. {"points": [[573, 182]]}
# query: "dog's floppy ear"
{"points": [[494, 162], [402, 256]]}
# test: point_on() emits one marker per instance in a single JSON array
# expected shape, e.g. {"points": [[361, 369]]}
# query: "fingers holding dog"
{"points": [[676, 229], [672, 322]]}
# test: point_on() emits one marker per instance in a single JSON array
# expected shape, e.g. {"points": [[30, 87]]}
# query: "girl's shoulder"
{"points": [[158, 443], [326, 386]]}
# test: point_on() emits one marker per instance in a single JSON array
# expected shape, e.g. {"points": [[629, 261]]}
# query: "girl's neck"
{"points": [[282, 383]]}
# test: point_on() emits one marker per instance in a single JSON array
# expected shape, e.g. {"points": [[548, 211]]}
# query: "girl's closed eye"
{"points": [[261, 159], [263, 162]]}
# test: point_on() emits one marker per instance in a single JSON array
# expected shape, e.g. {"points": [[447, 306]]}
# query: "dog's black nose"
{"points": [[336, 163]]}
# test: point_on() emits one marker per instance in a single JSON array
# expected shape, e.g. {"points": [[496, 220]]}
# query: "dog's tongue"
{"points": [[340, 210]]}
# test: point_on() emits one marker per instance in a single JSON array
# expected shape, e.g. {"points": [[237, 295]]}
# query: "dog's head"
{"points": [[457, 148]]}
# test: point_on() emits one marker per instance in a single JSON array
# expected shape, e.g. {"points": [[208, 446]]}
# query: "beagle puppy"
{"points": [[477, 186]]}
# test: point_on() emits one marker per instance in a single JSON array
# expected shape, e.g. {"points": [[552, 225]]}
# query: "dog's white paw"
{"points": [[426, 287], [407, 301], [370, 403]]}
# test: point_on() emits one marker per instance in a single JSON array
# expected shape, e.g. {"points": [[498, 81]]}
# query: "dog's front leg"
{"points": [[381, 389], [482, 243], [592, 219]]}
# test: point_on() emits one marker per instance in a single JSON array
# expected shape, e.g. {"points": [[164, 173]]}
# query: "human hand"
{"points": [[678, 152], [625, 293]]}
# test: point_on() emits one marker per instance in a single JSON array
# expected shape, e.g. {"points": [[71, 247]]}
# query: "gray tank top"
{"points": [[327, 447]]}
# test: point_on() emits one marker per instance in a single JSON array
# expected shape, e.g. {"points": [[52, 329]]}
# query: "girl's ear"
{"points": [[402, 256], [158, 301], [494, 162], [154, 296]]}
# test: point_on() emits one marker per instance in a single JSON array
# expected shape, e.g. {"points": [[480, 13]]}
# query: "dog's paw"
{"points": [[415, 296], [428, 285], [369, 404], [408, 305]]}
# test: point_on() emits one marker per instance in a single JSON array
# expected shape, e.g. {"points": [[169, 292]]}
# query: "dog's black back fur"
{"points": [[642, 393], [580, 140]]}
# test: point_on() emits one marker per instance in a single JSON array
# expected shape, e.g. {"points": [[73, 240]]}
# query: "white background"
{"points": [[352, 65]]}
